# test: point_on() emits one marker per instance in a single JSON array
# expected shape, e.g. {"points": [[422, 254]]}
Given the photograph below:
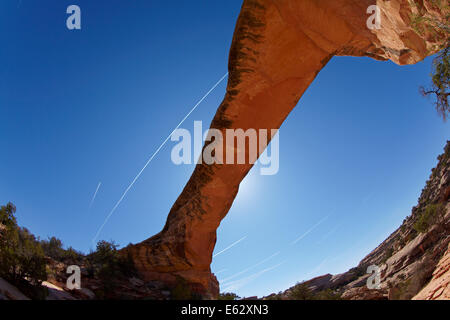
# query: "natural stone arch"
{"points": [[278, 48]]}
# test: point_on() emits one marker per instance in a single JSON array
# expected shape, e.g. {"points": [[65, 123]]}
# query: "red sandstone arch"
{"points": [[278, 48]]}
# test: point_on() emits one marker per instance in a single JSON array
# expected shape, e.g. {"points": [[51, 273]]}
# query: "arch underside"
{"points": [[278, 48]]}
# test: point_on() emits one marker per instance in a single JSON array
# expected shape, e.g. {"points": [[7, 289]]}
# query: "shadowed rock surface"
{"points": [[278, 49]]}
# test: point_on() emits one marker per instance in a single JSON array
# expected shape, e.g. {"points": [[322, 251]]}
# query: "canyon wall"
{"points": [[414, 261], [278, 48]]}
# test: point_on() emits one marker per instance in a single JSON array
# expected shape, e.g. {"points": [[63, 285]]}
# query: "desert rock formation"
{"points": [[439, 286], [414, 260], [278, 49]]}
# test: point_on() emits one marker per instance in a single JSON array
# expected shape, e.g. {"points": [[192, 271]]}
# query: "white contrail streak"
{"points": [[153, 155], [230, 246], [327, 235], [249, 268], [234, 285], [316, 269], [95, 194], [307, 232], [218, 272]]}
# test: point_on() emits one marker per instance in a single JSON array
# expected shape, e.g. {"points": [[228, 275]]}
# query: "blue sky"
{"points": [[88, 106]]}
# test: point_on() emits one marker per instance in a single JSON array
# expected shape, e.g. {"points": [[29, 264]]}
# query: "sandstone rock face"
{"points": [[439, 286], [363, 293], [56, 293], [278, 49], [10, 292], [414, 261]]}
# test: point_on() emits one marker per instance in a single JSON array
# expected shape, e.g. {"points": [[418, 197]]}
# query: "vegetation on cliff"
{"points": [[437, 26], [302, 291], [21, 255], [407, 258], [26, 261], [430, 216], [440, 83]]}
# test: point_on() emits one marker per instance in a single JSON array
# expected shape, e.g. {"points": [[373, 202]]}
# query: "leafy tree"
{"points": [[301, 291], [105, 261], [22, 260], [73, 256], [389, 252], [106, 252], [432, 25], [181, 291], [327, 294], [428, 217], [275, 296], [440, 83], [32, 263], [7, 218], [228, 296], [53, 248], [108, 265]]}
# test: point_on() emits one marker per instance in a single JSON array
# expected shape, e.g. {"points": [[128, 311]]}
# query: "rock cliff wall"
{"points": [[414, 260]]}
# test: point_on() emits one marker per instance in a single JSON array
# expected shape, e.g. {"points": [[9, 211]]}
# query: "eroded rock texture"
{"points": [[439, 286], [414, 260], [278, 48]]}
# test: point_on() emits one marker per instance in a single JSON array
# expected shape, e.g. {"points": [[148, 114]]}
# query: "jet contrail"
{"points": [[317, 268], [95, 194], [234, 285], [311, 229], [327, 235], [229, 247], [249, 268], [218, 272], [153, 155]]}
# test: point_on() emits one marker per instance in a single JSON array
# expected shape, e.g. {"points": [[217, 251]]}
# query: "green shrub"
{"points": [[428, 217], [53, 248], [301, 291], [327, 294], [389, 252], [7, 218], [440, 83], [109, 266], [21, 255], [275, 296], [181, 291], [72, 256], [228, 296], [359, 271]]}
